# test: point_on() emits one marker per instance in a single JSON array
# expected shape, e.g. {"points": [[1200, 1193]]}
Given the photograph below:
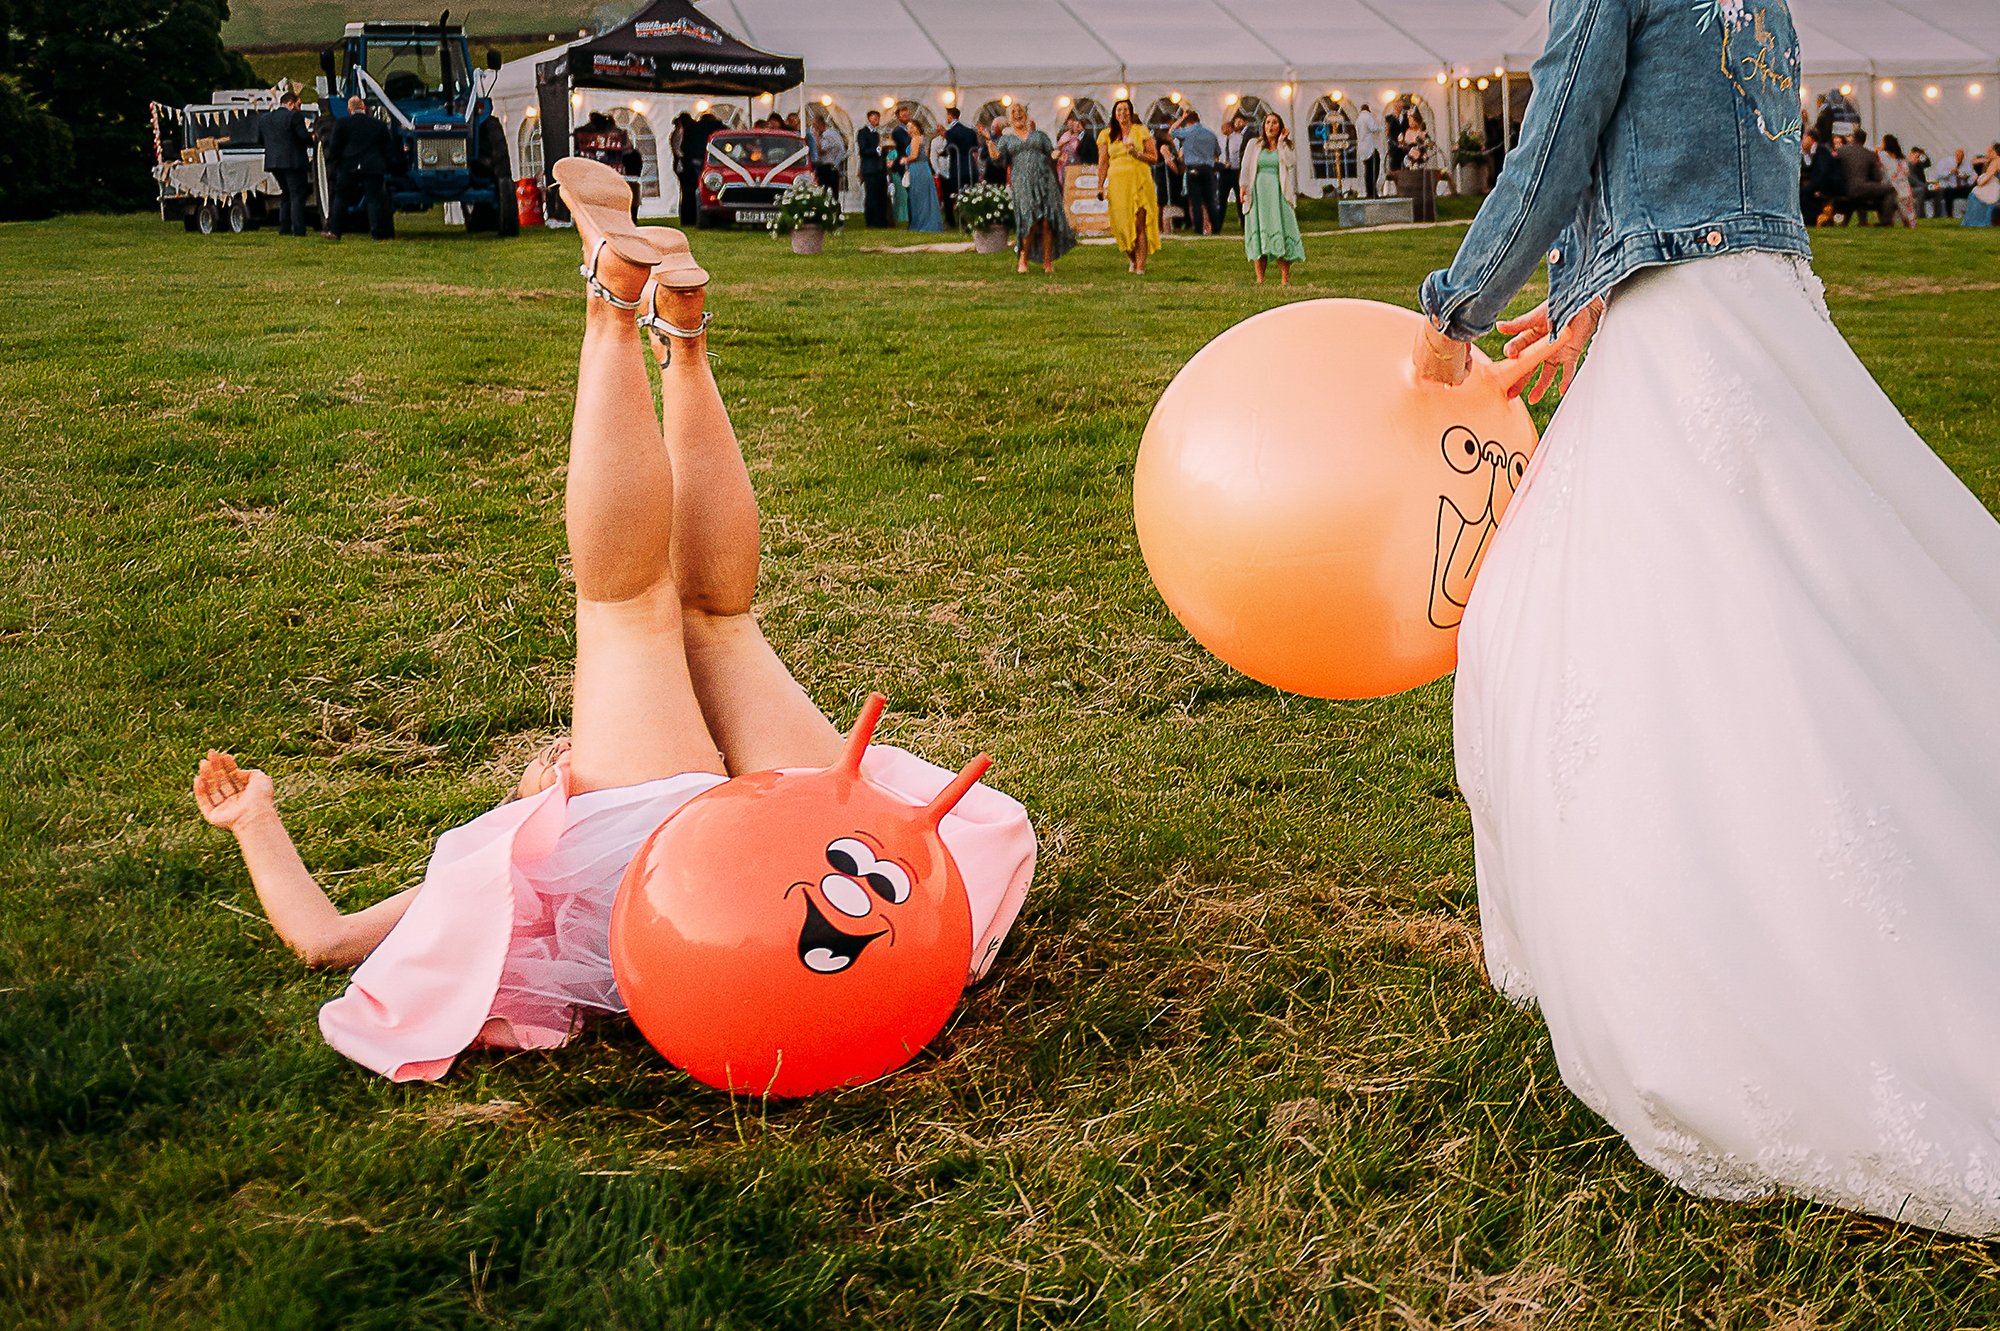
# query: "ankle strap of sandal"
{"points": [[652, 322], [588, 270]]}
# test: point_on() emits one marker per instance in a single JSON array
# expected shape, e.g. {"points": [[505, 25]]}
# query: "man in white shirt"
{"points": [[1371, 145], [1229, 170], [829, 154]]}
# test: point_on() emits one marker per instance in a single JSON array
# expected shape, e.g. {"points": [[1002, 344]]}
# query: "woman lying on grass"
{"points": [[504, 944]]}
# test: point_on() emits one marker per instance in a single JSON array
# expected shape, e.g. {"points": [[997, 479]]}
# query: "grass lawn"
{"points": [[1239, 1066]]}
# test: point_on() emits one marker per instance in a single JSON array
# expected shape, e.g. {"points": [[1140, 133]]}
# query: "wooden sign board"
{"points": [[1088, 214]]}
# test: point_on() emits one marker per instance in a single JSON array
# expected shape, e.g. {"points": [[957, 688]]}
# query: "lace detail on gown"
{"points": [[1863, 854], [1574, 742]]}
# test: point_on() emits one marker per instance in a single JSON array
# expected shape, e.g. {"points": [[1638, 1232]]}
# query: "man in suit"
{"points": [[1395, 124], [364, 152], [961, 157], [282, 135], [874, 176], [1229, 172], [1820, 178], [1862, 180], [693, 158]]}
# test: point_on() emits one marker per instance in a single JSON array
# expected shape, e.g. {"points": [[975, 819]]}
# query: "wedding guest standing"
{"points": [[363, 151], [829, 154], [925, 213], [1228, 176], [1371, 145], [282, 134], [1041, 223], [1127, 150], [1200, 153], [1896, 170], [874, 171], [1069, 146], [995, 173], [961, 161], [1270, 183], [1395, 124]]}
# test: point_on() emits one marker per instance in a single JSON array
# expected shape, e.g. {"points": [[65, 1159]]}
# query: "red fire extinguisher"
{"points": [[528, 200]]}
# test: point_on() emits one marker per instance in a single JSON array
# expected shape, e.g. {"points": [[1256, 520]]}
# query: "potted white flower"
{"points": [[986, 211], [806, 212]]}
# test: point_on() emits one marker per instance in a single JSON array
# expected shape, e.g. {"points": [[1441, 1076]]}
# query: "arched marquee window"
{"points": [[1094, 114], [1330, 134], [528, 156], [640, 130]]}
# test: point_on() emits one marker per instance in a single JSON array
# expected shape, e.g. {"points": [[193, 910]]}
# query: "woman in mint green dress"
{"points": [[1270, 183]]}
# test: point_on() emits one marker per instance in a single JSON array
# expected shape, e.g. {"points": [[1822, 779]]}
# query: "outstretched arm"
{"points": [[242, 800]]}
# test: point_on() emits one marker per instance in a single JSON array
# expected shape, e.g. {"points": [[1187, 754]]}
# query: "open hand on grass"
{"points": [[227, 794]]}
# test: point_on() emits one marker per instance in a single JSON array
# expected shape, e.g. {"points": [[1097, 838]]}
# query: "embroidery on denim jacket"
{"points": [[1754, 62]]}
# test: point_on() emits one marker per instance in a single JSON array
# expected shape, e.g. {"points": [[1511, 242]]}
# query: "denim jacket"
{"points": [[1659, 131]]}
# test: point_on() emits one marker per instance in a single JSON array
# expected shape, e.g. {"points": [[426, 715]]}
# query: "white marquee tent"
{"points": [[1928, 70]]}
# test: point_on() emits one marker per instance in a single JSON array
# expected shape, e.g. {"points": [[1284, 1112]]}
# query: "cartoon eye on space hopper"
{"points": [[787, 932], [1313, 514]]}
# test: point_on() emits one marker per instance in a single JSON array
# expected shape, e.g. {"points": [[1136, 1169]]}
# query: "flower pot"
{"points": [[989, 240], [808, 239]]}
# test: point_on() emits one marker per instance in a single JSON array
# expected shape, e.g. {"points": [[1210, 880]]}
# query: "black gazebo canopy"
{"points": [[669, 46]]}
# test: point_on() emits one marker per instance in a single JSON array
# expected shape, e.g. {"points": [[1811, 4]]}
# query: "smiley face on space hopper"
{"points": [[786, 932]]}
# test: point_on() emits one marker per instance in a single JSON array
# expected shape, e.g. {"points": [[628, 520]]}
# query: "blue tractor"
{"points": [[418, 79]]}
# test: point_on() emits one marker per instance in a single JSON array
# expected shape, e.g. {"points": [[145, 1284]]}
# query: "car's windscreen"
{"points": [[757, 149]]}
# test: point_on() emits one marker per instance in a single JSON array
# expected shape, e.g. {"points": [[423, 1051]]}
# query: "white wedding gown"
{"points": [[1728, 720]]}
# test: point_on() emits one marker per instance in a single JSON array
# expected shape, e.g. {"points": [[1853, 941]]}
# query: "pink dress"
{"points": [[507, 944]]}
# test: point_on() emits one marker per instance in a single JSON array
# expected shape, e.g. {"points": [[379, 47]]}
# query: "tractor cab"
{"points": [[418, 78]]}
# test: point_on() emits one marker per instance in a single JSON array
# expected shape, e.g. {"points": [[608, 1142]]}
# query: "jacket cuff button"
{"points": [[1715, 238]]}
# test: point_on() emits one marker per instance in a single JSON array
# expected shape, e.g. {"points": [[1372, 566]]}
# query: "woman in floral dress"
{"points": [[1039, 216]]}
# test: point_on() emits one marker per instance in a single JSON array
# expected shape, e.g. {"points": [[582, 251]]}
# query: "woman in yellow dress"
{"points": [[1127, 152]]}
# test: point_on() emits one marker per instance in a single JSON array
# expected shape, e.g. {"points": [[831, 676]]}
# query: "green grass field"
{"points": [[1239, 1066]]}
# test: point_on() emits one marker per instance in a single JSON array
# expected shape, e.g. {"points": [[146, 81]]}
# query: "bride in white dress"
{"points": [[1728, 697]]}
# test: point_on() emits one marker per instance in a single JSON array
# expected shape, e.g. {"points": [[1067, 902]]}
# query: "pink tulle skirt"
{"points": [[507, 944]]}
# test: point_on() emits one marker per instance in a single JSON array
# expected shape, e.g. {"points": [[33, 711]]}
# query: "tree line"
{"points": [[75, 83]]}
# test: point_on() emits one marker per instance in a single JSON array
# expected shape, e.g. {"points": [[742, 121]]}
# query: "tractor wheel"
{"points": [[239, 219], [207, 218], [493, 152]]}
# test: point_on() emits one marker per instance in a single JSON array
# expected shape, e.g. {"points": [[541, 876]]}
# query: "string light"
{"points": [[1441, 80], [1484, 84], [1123, 91], [825, 100], [1888, 87], [1174, 97], [950, 96], [701, 105], [1006, 99], [1338, 95], [888, 103], [1467, 83], [1931, 93], [1847, 90], [1063, 103], [1231, 100], [1975, 89], [1285, 91]]}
